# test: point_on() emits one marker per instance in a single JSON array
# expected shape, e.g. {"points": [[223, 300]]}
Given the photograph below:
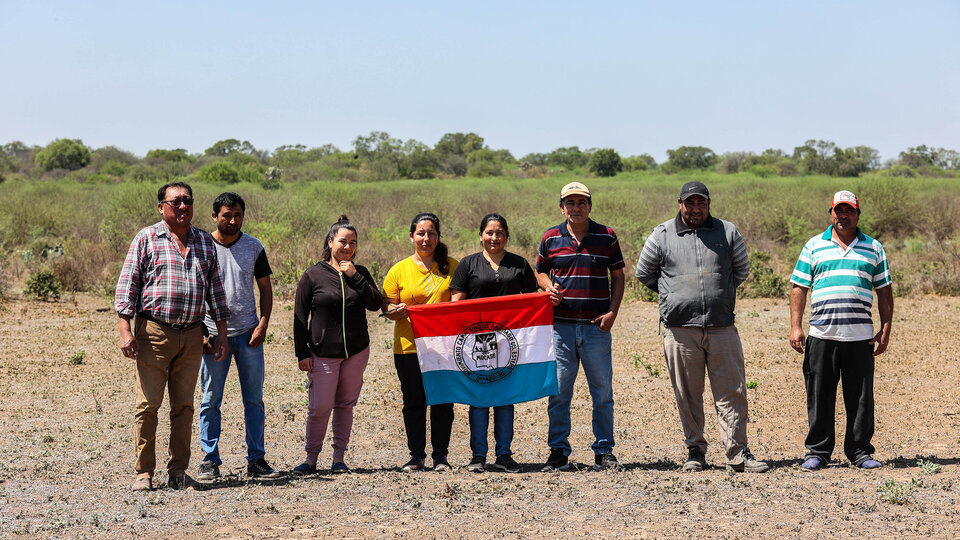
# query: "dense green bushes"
{"points": [[94, 223]]}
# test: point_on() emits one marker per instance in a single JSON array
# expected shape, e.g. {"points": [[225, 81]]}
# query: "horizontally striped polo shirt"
{"points": [[841, 282], [580, 270]]}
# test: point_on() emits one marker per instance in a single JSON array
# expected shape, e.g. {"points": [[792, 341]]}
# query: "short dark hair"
{"points": [[228, 199], [494, 217], [162, 192]]}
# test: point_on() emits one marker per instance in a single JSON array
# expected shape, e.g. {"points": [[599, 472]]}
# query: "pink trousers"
{"points": [[334, 386]]}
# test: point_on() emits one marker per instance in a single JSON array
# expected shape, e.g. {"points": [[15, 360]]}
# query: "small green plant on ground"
{"points": [[752, 384], [44, 285], [895, 492], [928, 467], [269, 338], [77, 358], [651, 370]]}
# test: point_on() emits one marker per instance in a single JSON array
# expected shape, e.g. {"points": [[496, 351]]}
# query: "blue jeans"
{"points": [[502, 429], [213, 375], [585, 344]]}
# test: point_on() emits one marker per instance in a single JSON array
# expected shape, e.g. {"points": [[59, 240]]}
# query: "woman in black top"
{"points": [[331, 340], [492, 272]]}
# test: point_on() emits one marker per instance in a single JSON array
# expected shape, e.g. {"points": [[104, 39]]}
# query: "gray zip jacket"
{"points": [[695, 271]]}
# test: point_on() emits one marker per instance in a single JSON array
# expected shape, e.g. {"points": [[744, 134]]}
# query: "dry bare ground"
{"points": [[66, 451]]}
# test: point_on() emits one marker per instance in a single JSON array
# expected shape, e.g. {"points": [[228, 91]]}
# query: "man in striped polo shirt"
{"points": [[573, 263], [841, 266]]}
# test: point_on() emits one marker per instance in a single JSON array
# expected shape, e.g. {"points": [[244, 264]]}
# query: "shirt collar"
{"points": [[683, 228], [565, 229], [828, 234], [164, 230]]}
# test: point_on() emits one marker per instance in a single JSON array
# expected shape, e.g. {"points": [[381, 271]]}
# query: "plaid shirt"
{"points": [[157, 279]]}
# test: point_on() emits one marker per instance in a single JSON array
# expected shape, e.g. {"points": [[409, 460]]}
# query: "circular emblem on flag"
{"points": [[486, 352]]}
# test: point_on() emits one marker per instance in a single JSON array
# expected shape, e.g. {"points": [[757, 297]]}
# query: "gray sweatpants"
{"points": [[688, 351]]}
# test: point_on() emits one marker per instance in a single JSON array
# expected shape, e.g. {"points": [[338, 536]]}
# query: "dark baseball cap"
{"points": [[694, 187]]}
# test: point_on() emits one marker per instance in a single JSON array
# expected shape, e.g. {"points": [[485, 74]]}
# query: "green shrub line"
{"points": [[80, 231]]}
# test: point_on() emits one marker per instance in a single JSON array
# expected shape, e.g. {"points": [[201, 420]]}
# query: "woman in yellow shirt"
{"points": [[422, 278]]}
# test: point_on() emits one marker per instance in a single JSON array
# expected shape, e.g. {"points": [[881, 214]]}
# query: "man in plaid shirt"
{"points": [[170, 269]]}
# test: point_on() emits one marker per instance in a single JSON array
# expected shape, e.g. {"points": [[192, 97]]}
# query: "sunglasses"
{"points": [[188, 201]]}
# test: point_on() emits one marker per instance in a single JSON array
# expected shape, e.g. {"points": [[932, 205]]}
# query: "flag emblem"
{"points": [[493, 352]]}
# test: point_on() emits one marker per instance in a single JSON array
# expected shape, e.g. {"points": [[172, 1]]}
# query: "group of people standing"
{"points": [[191, 298]]}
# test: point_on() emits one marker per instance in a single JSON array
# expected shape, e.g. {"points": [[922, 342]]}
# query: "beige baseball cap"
{"points": [[574, 188]]}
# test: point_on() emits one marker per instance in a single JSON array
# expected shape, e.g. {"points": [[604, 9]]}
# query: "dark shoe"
{"points": [[441, 464], [556, 462], [261, 469], [696, 461], [477, 464], [505, 463], [339, 467], [144, 482], [812, 464], [304, 469], [870, 463], [208, 471], [749, 464], [414, 465], [181, 482], [605, 462]]}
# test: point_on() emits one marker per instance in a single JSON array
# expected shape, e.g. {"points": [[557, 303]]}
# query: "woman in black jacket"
{"points": [[331, 341]]}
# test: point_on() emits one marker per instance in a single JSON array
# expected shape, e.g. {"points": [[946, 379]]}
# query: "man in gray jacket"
{"points": [[696, 262]]}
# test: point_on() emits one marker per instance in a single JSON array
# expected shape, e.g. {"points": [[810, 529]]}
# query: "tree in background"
{"points": [[227, 147], [70, 154], [689, 157], [569, 157], [921, 156], [458, 144], [484, 162], [176, 155], [605, 162]]}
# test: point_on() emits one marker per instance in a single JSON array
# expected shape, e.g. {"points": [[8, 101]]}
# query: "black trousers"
{"points": [[415, 411], [825, 363]]}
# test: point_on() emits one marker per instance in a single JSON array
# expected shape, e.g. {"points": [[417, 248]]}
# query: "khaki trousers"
{"points": [[166, 358], [691, 350]]}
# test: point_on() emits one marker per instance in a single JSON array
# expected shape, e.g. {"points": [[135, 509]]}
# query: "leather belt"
{"points": [[147, 316]]}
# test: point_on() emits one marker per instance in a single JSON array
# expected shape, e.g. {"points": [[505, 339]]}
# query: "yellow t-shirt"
{"points": [[408, 283]]}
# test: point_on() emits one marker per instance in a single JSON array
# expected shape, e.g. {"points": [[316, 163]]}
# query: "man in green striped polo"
{"points": [[842, 268]]}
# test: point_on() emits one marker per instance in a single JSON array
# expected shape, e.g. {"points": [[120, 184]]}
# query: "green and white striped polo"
{"points": [[841, 282]]}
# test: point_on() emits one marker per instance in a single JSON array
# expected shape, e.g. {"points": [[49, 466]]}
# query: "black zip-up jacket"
{"points": [[328, 314]]}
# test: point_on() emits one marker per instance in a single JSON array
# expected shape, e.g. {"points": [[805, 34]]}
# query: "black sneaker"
{"points": [[505, 463], [605, 462], [414, 465], [261, 469], [556, 462], [696, 461], [304, 469], [477, 464], [441, 464], [208, 471]]}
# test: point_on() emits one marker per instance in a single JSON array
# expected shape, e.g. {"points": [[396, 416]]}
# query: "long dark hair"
{"points": [[494, 217], [440, 253], [342, 223]]}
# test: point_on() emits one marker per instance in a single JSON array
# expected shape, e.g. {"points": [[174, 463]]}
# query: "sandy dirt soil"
{"points": [[66, 446]]}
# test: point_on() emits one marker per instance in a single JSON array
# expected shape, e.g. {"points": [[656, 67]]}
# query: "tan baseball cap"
{"points": [[574, 188]]}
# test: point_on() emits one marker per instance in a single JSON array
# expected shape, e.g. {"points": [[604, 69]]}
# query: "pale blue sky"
{"points": [[527, 76]]}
